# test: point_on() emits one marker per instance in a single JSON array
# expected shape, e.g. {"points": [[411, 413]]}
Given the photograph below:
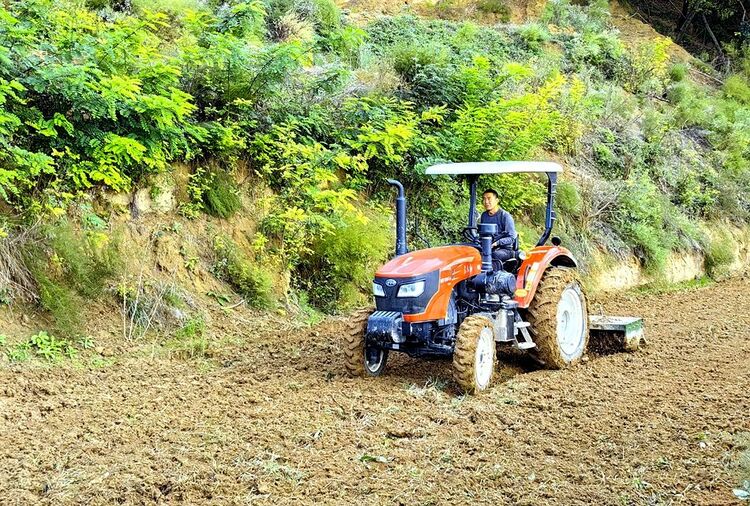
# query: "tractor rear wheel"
{"points": [[558, 318], [361, 360], [474, 354]]}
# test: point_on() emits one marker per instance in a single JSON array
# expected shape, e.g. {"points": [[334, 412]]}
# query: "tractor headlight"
{"points": [[411, 290], [377, 290]]}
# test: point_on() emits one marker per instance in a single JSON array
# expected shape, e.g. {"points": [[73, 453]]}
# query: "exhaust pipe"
{"points": [[400, 217], [486, 232]]}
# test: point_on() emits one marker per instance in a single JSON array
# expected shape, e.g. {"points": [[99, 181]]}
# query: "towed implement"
{"points": [[451, 301]]}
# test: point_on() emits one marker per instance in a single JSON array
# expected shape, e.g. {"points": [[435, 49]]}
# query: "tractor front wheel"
{"points": [[558, 318], [474, 354], [360, 359]]}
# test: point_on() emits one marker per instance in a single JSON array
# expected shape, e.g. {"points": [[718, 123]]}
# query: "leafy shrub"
{"points": [[584, 17], [678, 93], [568, 199], [290, 28], [719, 255], [641, 220], [506, 129], [250, 280], [647, 67], [221, 196], [108, 121], [736, 88], [678, 72], [327, 16], [650, 246], [518, 192], [602, 50], [42, 345], [88, 259], [533, 36], [463, 41], [324, 15], [347, 42], [196, 187], [409, 59], [498, 7], [310, 196], [70, 267], [171, 6], [190, 341], [213, 191], [342, 263]]}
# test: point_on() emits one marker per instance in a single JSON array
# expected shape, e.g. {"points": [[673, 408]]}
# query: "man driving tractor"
{"points": [[457, 300], [503, 242]]}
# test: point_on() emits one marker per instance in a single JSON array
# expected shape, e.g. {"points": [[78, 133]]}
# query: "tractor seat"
{"points": [[513, 264]]}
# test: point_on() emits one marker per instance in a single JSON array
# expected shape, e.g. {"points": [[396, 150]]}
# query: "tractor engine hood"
{"points": [[439, 268], [459, 261]]}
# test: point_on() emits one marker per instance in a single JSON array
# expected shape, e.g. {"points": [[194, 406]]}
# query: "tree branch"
{"points": [[713, 37], [744, 11]]}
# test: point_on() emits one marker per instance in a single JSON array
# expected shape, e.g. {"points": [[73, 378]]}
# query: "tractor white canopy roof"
{"points": [[492, 168]]}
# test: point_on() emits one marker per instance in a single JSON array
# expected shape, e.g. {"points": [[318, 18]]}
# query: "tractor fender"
{"points": [[533, 268]]}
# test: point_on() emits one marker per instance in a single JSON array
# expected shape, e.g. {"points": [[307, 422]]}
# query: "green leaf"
{"points": [[373, 458]]}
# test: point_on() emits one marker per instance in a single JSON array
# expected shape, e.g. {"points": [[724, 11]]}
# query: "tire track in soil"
{"points": [[280, 424]]}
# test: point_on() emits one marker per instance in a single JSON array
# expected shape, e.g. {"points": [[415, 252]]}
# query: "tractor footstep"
{"points": [[612, 334]]}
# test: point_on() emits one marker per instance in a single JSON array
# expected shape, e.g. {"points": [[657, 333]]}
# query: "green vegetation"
{"points": [[249, 278], [190, 340], [150, 305], [663, 288], [322, 112], [42, 345], [495, 7], [213, 191], [69, 267], [720, 254], [221, 198], [339, 269]]}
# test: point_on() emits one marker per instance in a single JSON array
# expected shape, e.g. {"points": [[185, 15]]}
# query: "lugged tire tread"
{"points": [[542, 316], [354, 343], [465, 350]]}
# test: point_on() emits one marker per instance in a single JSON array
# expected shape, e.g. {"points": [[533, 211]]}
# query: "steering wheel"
{"points": [[471, 234]]}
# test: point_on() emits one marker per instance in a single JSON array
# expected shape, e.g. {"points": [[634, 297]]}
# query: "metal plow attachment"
{"points": [[612, 334]]}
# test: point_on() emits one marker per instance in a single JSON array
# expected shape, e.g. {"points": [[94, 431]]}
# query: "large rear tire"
{"points": [[361, 360], [558, 318], [474, 355]]}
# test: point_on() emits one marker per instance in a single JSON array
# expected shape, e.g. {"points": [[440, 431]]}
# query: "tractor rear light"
{"points": [[377, 290], [411, 290]]}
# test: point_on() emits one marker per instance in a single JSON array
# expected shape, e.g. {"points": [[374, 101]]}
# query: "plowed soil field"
{"points": [[273, 420]]}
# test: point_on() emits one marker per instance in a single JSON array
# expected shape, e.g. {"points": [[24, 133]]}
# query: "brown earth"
{"points": [[271, 419]]}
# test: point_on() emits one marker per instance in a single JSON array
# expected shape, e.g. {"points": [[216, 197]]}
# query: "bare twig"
{"points": [[242, 301], [709, 76]]}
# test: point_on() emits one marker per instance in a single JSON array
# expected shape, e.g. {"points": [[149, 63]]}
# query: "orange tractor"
{"points": [[451, 301]]}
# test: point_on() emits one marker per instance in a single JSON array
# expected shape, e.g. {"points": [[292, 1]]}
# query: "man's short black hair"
{"points": [[490, 190]]}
